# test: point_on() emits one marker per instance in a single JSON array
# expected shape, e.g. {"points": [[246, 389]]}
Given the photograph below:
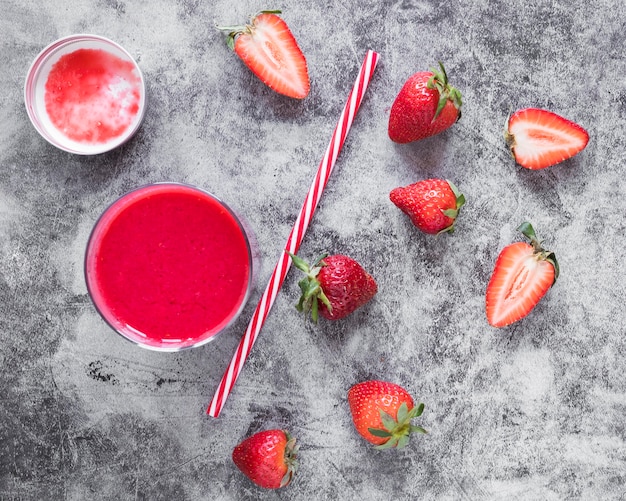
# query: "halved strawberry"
{"points": [[522, 275], [269, 49], [539, 138]]}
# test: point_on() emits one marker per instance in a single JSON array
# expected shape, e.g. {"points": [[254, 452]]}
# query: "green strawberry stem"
{"points": [[398, 430], [439, 81], [540, 253], [310, 286]]}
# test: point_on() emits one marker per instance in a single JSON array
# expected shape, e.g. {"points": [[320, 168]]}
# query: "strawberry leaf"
{"points": [[300, 303], [454, 189], [402, 441], [324, 299], [444, 75], [291, 454], [286, 478], [403, 412], [527, 229], [453, 213], [443, 100], [419, 410], [439, 81], [460, 198], [314, 310], [298, 262], [417, 429], [389, 444], [379, 433], [230, 41], [388, 422], [460, 201], [320, 261], [457, 99], [551, 258], [310, 288]]}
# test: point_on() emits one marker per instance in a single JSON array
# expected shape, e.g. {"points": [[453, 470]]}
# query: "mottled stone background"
{"points": [[533, 411]]}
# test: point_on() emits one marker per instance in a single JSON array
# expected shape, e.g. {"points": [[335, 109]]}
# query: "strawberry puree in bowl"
{"points": [[169, 266], [85, 94]]}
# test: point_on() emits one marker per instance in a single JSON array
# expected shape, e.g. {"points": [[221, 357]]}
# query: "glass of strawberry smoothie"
{"points": [[169, 266], [85, 94]]}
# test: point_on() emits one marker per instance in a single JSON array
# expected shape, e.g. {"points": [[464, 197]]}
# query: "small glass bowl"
{"points": [[39, 103]]}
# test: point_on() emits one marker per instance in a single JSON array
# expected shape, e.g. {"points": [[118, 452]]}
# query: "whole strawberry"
{"points": [[268, 458], [426, 105], [382, 413], [432, 204], [334, 286]]}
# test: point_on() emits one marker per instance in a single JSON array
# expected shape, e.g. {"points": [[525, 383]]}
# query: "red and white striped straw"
{"points": [[297, 234]]}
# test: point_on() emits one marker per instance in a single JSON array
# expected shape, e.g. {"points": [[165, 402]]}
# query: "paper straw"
{"points": [[297, 234]]}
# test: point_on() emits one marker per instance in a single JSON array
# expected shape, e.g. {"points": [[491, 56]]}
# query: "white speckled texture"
{"points": [[533, 411]]}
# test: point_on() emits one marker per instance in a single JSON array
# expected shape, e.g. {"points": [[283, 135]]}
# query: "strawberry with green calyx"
{"points": [[268, 458], [522, 275], [432, 204], [270, 50], [426, 105], [333, 287], [382, 413]]}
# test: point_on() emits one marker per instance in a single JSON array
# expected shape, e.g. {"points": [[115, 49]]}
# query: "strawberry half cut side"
{"points": [[522, 275], [540, 138], [270, 50]]}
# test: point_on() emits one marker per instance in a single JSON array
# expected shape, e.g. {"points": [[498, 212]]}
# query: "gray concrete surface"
{"points": [[534, 411]]}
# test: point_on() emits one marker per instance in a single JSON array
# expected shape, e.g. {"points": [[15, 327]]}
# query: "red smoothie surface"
{"points": [[92, 96], [168, 265]]}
